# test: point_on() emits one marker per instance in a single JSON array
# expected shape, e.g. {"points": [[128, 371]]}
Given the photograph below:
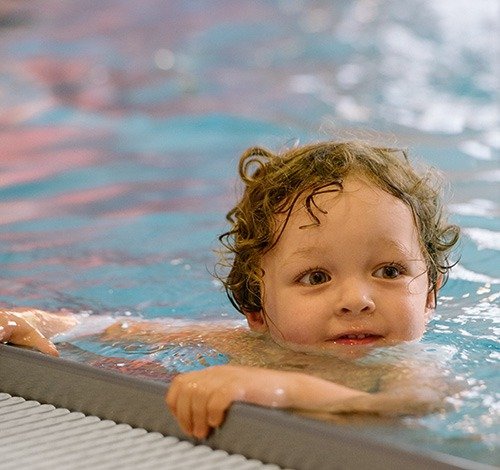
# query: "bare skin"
{"points": [[33, 328], [264, 373], [260, 372], [356, 281]]}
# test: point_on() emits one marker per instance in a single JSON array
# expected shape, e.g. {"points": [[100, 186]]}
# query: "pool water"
{"points": [[120, 128]]}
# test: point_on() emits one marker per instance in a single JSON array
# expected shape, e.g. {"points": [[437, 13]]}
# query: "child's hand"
{"points": [[200, 399], [16, 330]]}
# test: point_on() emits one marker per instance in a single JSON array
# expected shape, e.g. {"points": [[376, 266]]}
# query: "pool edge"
{"points": [[272, 436]]}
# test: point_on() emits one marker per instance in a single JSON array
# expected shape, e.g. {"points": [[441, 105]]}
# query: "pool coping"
{"points": [[269, 435]]}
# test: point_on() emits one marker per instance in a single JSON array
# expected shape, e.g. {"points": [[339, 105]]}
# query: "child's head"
{"points": [[323, 197]]}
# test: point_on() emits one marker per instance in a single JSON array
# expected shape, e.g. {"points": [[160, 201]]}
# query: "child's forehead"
{"points": [[356, 188], [360, 206]]}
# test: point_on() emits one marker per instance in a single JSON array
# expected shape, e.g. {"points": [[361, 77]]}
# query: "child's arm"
{"points": [[149, 331], [223, 337], [200, 399], [30, 327]]}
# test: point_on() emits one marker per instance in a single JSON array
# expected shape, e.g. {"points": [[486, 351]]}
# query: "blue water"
{"points": [[121, 124]]}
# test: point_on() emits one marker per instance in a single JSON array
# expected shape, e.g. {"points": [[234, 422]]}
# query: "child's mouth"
{"points": [[357, 338]]}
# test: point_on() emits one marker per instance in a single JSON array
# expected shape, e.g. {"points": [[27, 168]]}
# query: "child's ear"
{"points": [[431, 297], [256, 321]]}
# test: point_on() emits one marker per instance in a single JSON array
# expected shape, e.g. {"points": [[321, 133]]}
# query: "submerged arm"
{"points": [[222, 337]]}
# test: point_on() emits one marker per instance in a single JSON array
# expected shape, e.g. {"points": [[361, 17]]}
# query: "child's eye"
{"points": [[391, 271], [313, 278]]}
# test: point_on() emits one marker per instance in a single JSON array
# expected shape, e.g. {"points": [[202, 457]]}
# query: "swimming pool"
{"points": [[121, 125]]}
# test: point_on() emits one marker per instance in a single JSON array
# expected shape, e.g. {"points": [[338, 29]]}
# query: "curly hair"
{"points": [[273, 183]]}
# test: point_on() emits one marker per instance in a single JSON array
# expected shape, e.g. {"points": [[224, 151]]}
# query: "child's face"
{"points": [[356, 280]]}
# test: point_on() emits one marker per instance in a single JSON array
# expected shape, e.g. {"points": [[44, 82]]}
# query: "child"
{"points": [[334, 249]]}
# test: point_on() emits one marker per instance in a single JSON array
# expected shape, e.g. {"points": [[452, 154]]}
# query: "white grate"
{"points": [[37, 437]]}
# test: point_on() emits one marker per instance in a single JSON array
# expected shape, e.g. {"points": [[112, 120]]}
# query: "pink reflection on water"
{"points": [[31, 154], [19, 242], [20, 142], [31, 209]]}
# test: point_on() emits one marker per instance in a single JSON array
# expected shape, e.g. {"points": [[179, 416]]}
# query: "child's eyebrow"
{"points": [[400, 248], [394, 247], [302, 253]]}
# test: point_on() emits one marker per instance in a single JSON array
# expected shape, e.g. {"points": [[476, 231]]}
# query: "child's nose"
{"points": [[355, 299]]}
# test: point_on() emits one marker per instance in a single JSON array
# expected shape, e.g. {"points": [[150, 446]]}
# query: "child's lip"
{"points": [[354, 338]]}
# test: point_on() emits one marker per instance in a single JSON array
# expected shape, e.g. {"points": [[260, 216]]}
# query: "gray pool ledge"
{"points": [[268, 435]]}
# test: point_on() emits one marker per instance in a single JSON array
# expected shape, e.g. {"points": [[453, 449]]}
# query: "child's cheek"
{"points": [[288, 319], [413, 329], [295, 333]]}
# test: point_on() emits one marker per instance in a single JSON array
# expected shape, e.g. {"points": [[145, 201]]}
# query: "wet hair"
{"points": [[275, 182]]}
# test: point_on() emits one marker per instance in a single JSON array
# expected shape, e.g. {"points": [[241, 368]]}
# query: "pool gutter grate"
{"points": [[39, 436]]}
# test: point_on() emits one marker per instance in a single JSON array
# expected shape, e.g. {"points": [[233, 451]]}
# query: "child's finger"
{"points": [[217, 405], [36, 340], [18, 331], [199, 416], [183, 411], [171, 397]]}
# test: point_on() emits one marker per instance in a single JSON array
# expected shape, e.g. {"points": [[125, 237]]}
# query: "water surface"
{"points": [[120, 128]]}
